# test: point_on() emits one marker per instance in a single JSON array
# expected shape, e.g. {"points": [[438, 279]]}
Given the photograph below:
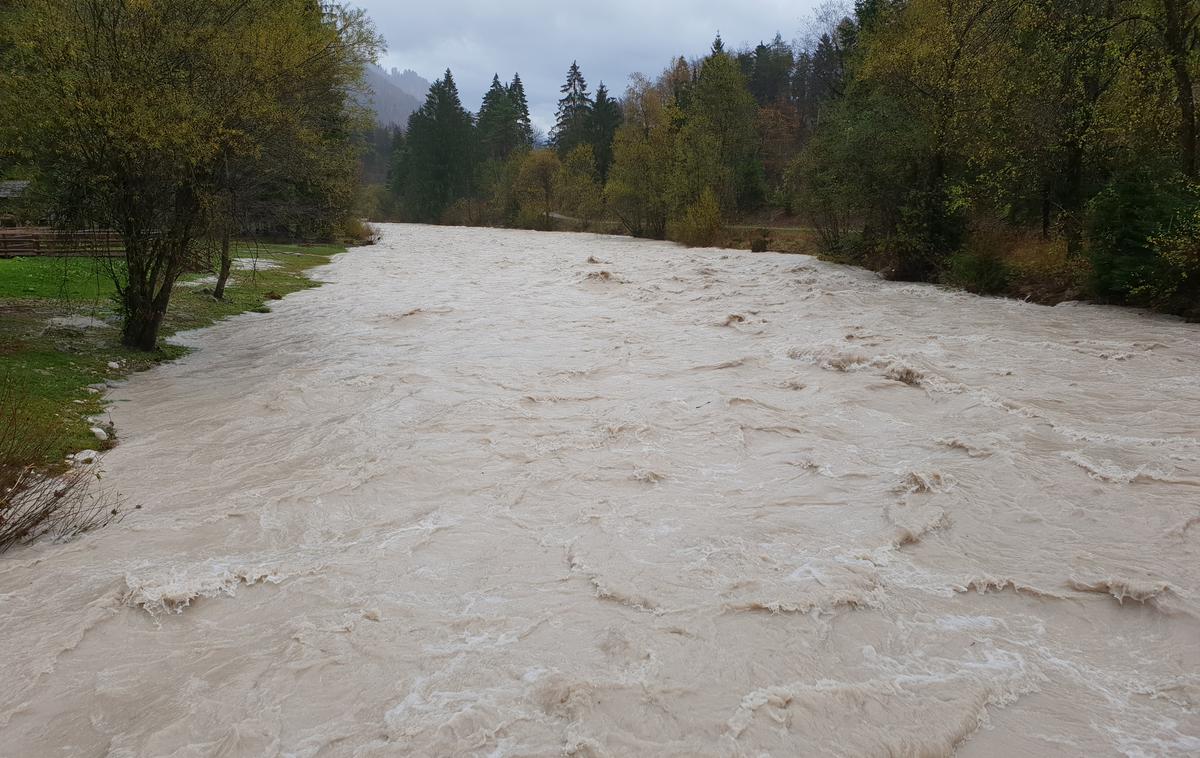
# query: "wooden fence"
{"points": [[52, 243]]}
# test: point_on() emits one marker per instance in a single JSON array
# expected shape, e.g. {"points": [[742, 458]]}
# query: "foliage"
{"points": [[980, 272], [700, 224], [140, 117], [573, 120], [503, 124], [1176, 288], [435, 167], [643, 150], [606, 119], [580, 191], [539, 182], [718, 145], [918, 138]]}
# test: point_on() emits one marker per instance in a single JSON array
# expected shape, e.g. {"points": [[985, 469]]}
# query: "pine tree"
{"points": [[436, 167], [573, 120], [516, 91], [606, 118]]}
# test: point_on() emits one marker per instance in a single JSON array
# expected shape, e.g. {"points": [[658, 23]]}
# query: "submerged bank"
{"points": [[60, 330], [509, 493]]}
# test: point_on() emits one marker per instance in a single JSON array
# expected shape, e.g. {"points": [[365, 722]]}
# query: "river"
{"points": [[501, 493]]}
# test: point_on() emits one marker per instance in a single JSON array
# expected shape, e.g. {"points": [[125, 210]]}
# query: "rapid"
{"points": [[502, 493]]}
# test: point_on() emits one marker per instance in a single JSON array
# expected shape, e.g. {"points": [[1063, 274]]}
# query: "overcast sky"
{"points": [[610, 38]]}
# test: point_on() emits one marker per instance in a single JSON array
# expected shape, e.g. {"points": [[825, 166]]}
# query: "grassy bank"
{"points": [[60, 335]]}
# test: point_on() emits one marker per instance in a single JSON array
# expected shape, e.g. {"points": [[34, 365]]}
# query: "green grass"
{"points": [[51, 364], [75, 279]]}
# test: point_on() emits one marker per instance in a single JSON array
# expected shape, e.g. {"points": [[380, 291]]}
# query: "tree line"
{"points": [[1044, 148], [181, 124]]}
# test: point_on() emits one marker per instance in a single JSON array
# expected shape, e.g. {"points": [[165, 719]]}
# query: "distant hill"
{"points": [[395, 94], [410, 81]]}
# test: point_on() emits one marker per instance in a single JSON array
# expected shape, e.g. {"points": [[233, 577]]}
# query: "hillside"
{"points": [[395, 94]]}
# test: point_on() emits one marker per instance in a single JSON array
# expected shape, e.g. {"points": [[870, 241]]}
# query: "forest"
{"points": [[1043, 149]]}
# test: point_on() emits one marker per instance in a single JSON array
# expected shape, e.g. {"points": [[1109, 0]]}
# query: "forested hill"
{"points": [[395, 95]]}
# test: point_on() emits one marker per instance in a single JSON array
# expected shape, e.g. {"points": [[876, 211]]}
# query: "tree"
{"points": [[499, 127], [581, 193], [606, 118], [436, 168], [1176, 28], [516, 91], [768, 71], [132, 110], [538, 184], [300, 179], [573, 119], [643, 149], [718, 145]]}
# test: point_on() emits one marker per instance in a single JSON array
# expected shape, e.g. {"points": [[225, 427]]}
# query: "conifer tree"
{"points": [[606, 118], [436, 166], [499, 130], [573, 120], [516, 91]]}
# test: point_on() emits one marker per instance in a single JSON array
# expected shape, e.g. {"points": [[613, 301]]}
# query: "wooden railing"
{"points": [[39, 241]]}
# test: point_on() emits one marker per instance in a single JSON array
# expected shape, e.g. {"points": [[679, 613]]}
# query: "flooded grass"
{"points": [[60, 331]]}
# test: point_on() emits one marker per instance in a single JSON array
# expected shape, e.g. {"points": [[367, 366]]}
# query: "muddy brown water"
{"points": [[473, 497]]}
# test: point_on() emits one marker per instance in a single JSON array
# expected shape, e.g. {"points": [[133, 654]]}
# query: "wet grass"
{"points": [[60, 335]]}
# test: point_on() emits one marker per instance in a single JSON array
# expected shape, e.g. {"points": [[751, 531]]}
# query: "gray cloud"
{"points": [[538, 38]]}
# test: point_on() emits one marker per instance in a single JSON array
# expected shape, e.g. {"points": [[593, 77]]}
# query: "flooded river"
{"points": [[495, 493]]}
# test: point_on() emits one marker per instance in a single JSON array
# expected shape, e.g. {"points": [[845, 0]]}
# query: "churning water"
{"points": [[514, 494]]}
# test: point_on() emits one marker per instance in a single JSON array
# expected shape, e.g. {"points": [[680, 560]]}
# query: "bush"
{"points": [[701, 223], [978, 272], [761, 242], [33, 501], [356, 231], [1122, 221], [1175, 286]]}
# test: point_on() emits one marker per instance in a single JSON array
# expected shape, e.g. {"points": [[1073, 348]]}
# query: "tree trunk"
{"points": [[226, 266], [1047, 208], [1073, 200], [144, 312], [1174, 38], [1187, 118]]}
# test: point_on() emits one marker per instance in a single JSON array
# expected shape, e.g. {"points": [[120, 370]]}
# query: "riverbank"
{"points": [[997, 261], [60, 332]]}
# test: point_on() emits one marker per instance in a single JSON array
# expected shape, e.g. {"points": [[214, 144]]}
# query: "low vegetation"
{"points": [[35, 500]]}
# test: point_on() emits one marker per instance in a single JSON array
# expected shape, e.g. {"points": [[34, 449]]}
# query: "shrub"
{"points": [[983, 273], [701, 222], [34, 501], [1175, 286], [356, 231], [1121, 222], [761, 242]]}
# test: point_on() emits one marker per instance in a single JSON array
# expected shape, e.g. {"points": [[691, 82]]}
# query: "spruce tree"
{"points": [[436, 165], [498, 128], [516, 91], [606, 118], [573, 120]]}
